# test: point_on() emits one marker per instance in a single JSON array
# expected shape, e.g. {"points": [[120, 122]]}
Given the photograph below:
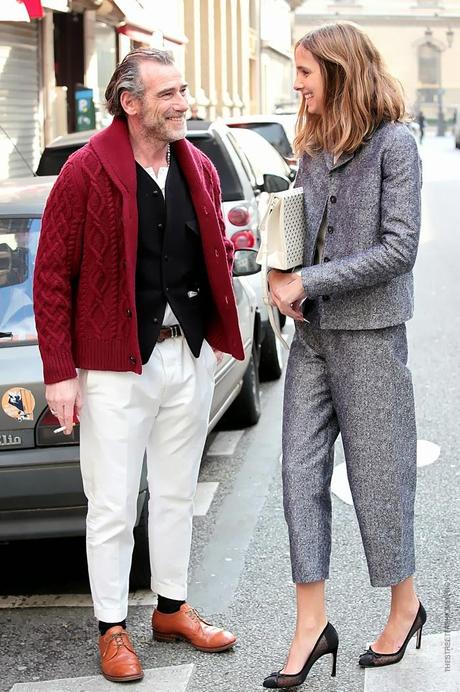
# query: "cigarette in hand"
{"points": [[58, 430]]}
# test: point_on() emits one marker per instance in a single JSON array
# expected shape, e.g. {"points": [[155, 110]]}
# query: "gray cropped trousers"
{"points": [[356, 383]]}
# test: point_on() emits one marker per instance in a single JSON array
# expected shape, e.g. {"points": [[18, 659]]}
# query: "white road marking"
{"points": [[70, 600], [47, 601], [203, 497], [225, 443], [427, 452], [433, 668], [339, 484], [170, 679]]}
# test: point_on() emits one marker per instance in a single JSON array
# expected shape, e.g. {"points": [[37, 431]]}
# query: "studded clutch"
{"points": [[282, 241], [283, 230]]}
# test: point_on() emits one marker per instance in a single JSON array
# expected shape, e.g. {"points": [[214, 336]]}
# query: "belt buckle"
{"points": [[175, 330]]}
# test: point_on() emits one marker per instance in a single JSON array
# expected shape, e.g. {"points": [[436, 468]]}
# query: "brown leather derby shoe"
{"points": [[119, 662], [187, 625]]}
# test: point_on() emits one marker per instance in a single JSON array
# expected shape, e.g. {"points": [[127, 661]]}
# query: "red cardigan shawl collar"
{"points": [[113, 148]]}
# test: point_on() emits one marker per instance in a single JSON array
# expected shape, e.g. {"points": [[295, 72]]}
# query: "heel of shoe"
{"points": [[419, 638], [334, 663], [161, 637]]}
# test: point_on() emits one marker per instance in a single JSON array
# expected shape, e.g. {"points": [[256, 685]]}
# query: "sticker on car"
{"points": [[18, 403]]}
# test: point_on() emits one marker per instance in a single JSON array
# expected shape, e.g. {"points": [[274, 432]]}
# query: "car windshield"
{"points": [[262, 155], [274, 133], [18, 248]]}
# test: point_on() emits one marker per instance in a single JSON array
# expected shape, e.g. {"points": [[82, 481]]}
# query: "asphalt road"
{"points": [[240, 572]]}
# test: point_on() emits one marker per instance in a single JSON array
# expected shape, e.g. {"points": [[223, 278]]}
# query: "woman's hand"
{"points": [[286, 292]]}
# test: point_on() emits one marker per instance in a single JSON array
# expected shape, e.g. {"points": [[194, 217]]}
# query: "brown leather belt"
{"points": [[169, 333]]}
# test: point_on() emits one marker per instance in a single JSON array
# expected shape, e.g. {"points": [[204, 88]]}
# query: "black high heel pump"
{"points": [[372, 659], [327, 643]]}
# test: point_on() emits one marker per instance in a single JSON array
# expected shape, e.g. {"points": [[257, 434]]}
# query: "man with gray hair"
{"points": [[134, 305]]}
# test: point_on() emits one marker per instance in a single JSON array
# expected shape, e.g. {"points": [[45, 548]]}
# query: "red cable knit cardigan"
{"points": [[84, 285]]}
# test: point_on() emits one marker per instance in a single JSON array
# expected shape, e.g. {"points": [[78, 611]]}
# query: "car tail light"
{"points": [[243, 239], [239, 216], [45, 435]]}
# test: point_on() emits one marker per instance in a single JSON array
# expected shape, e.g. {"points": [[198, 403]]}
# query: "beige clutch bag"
{"points": [[282, 240]]}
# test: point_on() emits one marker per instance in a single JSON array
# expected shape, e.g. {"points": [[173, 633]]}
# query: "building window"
{"points": [[429, 64]]}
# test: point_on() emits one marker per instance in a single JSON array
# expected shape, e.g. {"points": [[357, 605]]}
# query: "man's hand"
{"points": [[63, 399], [287, 292]]}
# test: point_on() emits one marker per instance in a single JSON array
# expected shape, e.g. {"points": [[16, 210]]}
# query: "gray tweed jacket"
{"points": [[372, 203]]}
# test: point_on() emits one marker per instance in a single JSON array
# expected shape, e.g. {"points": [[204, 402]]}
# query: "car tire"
{"points": [[246, 408], [271, 354], [140, 567]]}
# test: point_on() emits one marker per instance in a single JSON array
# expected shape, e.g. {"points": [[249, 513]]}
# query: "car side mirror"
{"points": [[275, 183], [244, 262]]}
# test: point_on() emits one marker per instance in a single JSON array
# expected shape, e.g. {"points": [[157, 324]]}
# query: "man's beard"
{"points": [[160, 131]]}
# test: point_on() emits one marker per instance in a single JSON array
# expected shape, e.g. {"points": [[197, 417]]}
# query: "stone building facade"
{"points": [[419, 40]]}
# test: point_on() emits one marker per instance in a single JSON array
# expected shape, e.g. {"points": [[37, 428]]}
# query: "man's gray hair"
{"points": [[127, 77]]}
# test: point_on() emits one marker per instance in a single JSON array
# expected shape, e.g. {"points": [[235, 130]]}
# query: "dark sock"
{"points": [[168, 605], [104, 626]]}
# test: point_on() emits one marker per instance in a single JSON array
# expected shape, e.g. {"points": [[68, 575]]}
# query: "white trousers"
{"points": [[164, 412]]}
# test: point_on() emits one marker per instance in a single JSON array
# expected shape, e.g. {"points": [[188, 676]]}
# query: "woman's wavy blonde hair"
{"points": [[359, 92]]}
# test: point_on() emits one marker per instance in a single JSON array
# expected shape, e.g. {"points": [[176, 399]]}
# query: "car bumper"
{"points": [[41, 494]]}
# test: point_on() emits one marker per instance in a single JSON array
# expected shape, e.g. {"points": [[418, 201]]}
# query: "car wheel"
{"points": [[245, 410], [140, 567], [271, 354]]}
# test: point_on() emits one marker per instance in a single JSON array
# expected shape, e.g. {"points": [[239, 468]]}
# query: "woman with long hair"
{"points": [[347, 371]]}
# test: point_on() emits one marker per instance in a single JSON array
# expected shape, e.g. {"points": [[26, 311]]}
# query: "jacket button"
{"points": [[326, 298], [166, 258], [156, 192], [129, 313], [216, 252], [132, 359], [326, 259], [330, 229], [155, 320], [159, 226], [333, 199]]}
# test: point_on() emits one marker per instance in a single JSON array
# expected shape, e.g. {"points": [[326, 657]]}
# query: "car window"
{"points": [[273, 133], [229, 180], [245, 162], [18, 248], [263, 156], [53, 158]]}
